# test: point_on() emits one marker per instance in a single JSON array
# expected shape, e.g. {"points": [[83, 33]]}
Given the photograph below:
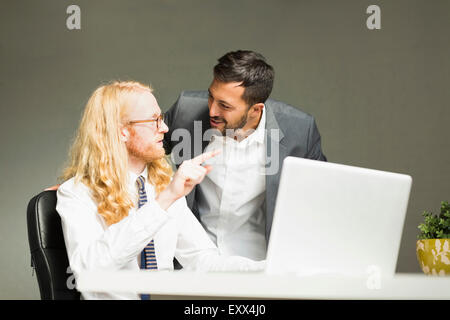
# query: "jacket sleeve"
{"points": [[170, 119], [314, 143]]}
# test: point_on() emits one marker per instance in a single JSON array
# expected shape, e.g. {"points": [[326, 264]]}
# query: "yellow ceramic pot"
{"points": [[434, 256]]}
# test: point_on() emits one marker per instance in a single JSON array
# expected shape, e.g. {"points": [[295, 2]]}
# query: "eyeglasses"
{"points": [[158, 120]]}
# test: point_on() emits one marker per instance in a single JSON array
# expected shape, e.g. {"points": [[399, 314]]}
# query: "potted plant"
{"points": [[433, 246]]}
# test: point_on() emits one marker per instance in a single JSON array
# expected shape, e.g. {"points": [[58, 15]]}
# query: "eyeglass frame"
{"points": [[158, 120]]}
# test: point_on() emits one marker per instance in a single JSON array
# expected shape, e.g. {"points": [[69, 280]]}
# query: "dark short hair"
{"points": [[251, 69]]}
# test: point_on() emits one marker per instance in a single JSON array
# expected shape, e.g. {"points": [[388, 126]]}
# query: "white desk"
{"points": [[259, 285]]}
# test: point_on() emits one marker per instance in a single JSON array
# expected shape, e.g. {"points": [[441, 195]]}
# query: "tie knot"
{"points": [[141, 183], [142, 194]]}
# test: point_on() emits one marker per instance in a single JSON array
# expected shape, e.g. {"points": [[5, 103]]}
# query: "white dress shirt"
{"points": [[230, 198], [92, 245]]}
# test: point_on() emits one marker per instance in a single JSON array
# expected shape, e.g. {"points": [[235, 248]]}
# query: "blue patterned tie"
{"points": [[148, 257]]}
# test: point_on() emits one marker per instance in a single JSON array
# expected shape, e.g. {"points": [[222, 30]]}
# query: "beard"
{"points": [[229, 128], [143, 150]]}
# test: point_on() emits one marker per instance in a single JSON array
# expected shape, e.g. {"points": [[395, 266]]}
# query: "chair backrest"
{"points": [[48, 250]]}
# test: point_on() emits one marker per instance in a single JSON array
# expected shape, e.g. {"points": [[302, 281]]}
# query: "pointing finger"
{"points": [[205, 156], [208, 169]]}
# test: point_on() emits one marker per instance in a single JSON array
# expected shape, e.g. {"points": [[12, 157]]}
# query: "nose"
{"points": [[163, 128], [213, 109]]}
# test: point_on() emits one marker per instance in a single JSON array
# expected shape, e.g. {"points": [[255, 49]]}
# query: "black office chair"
{"points": [[48, 250]]}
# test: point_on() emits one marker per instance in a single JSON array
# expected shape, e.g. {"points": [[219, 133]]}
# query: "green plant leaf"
{"points": [[436, 226]]}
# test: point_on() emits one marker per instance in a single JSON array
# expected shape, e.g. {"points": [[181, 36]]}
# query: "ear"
{"points": [[124, 134], [258, 107]]}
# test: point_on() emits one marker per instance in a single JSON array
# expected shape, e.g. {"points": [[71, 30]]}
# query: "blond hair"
{"points": [[99, 158]]}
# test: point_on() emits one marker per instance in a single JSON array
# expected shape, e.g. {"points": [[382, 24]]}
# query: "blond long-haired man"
{"points": [[119, 193]]}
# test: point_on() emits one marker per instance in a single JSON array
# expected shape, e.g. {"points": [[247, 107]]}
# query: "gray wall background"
{"points": [[380, 98]]}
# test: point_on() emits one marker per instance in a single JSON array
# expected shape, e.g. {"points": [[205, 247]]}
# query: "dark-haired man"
{"points": [[235, 203]]}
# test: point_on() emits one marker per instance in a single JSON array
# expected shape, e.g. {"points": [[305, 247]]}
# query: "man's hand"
{"points": [[189, 174], [55, 187]]}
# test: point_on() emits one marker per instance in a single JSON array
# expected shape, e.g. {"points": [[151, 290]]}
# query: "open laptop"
{"points": [[337, 219]]}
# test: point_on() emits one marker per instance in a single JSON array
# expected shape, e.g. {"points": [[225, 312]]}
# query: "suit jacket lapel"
{"points": [[276, 151], [197, 139]]}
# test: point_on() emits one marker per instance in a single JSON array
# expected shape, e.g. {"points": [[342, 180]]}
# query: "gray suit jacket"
{"points": [[291, 131]]}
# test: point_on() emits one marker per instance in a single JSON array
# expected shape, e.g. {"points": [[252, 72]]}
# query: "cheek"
{"points": [[144, 135], [139, 141], [234, 117]]}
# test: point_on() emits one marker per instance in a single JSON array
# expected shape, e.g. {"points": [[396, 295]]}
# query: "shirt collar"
{"points": [[133, 176], [258, 135]]}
